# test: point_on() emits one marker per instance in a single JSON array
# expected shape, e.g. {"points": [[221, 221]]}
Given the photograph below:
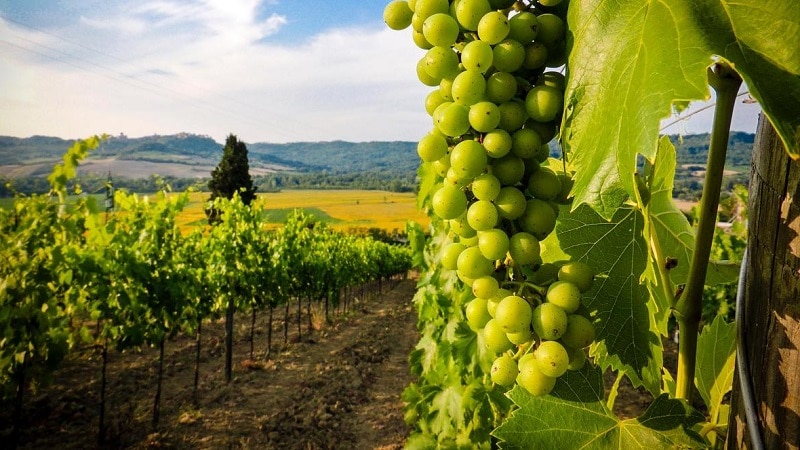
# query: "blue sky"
{"points": [[266, 70]]}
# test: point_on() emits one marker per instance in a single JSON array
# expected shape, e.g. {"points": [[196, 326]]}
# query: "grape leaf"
{"points": [[574, 416], [716, 355], [618, 300], [630, 61]]}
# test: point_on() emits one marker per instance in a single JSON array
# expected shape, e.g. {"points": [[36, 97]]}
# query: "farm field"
{"points": [[341, 209]]}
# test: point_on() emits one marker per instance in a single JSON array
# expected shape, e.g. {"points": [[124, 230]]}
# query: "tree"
{"points": [[231, 175]]}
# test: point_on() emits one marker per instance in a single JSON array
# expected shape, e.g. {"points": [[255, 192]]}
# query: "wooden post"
{"points": [[772, 298]]}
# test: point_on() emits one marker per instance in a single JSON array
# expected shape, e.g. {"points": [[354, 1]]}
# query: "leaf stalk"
{"points": [[725, 82]]}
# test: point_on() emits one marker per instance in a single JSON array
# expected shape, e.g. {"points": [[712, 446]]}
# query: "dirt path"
{"points": [[337, 388]]}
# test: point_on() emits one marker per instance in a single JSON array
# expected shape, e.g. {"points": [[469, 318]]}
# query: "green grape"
{"points": [[423, 76], [397, 15], [469, 13], [544, 103], [564, 294], [420, 41], [551, 29], [439, 112], [508, 55], [454, 178], [512, 116], [465, 279], [510, 202], [580, 332], [495, 300], [525, 143], [547, 130], [472, 264], [500, 87], [485, 287], [493, 244], [441, 30], [523, 27], [578, 273], [497, 143], [450, 255], [513, 314], [427, 8], [441, 62], [544, 184], [482, 215], [469, 87], [567, 182], [477, 56], [449, 202], [532, 379], [461, 227], [454, 120], [543, 154], [417, 22], [539, 218], [495, 338], [468, 159], [493, 27], [535, 56], [485, 187], [433, 100], [552, 358], [545, 274], [523, 337], [509, 169], [557, 55], [504, 371], [577, 358], [471, 241], [552, 79], [524, 249], [477, 314], [442, 165], [549, 321], [484, 116], [432, 147], [446, 89]]}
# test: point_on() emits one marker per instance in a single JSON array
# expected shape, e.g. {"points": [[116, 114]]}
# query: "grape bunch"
{"points": [[497, 100]]}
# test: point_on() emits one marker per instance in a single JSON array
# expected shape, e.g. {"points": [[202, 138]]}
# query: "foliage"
{"points": [[232, 174]]}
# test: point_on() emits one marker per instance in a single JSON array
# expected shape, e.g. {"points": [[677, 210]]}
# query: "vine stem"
{"points": [[725, 82]]}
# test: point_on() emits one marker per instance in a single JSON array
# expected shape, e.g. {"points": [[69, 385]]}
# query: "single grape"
{"points": [[446, 89], [493, 244], [420, 41], [500, 87], [513, 314], [482, 215], [539, 218], [508, 55], [449, 202], [433, 100], [577, 272], [524, 249], [564, 294], [567, 182], [495, 300], [544, 184], [580, 332], [523, 337], [512, 116], [469, 87], [397, 15], [485, 187], [469, 12], [423, 76], [432, 147], [509, 169], [577, 358], [544, 103], [553, 79], [552, 358], [454, 120], [484, 116], [504, 371], [460, 227], [525, 143], [551, 29], [477, 56], [549, 321], [497, 143], [547, 130], [510, 202], [535, 56], [472, 264], [477, 314], [441, 62], [427, 8], [493, 27], [450, 255], [468, 159], [524, 27], [485, 287], [546, 274], [532, 379], [441, 30], [495, 338]]}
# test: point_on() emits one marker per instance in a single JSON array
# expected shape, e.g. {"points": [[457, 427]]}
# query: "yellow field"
{"points": [[342, 209]]}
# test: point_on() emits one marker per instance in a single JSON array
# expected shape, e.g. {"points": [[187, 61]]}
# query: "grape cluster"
{"points": [[497, 101]]}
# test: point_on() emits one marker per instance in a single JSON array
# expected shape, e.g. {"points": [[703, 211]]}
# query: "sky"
{"points": [[264, 70]]}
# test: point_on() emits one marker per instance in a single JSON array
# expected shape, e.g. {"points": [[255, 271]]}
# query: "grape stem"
{"points": [[725, 82]]}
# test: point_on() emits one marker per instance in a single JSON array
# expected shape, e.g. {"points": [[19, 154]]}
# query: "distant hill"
{"points": [[187, 159]]}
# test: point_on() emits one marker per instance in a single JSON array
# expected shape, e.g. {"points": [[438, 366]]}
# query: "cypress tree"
{"points": [[231, 175]]}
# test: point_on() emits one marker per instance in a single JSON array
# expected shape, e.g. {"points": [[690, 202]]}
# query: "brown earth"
{"points": [[338, 387]]}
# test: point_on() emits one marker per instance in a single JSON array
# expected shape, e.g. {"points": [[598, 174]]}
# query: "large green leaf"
{"points": [[627, 338], [574, 416], [716, 355], [631, 60]]}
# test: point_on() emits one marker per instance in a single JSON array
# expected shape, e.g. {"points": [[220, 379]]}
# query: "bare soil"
{"points": [[337, 387]]}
